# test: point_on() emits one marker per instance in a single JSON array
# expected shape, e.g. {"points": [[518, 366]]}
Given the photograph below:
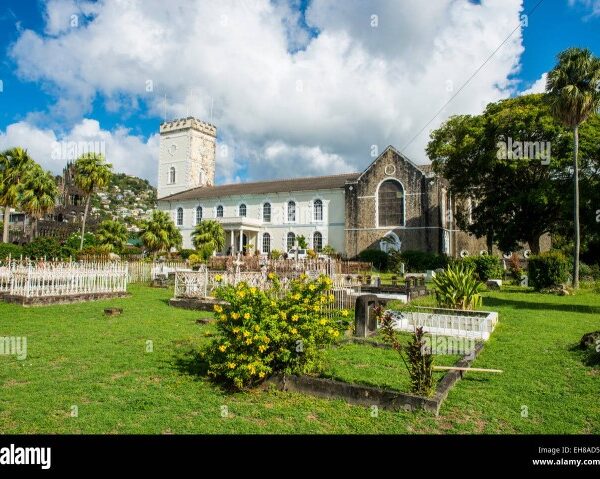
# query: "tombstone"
{"points": [[376, 281], [524, 281], [365, 322], [494, 284], [430, 274]]}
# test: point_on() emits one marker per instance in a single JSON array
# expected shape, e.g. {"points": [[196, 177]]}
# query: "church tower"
{"points": [[187, 155]]}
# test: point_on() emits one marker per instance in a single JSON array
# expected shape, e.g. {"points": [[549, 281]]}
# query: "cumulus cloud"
{"points": [[593, 6], [128, 153], [538, 86], [289, 103]]}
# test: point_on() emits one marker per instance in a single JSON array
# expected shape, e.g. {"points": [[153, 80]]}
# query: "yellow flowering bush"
{"points": [[265, 332]]}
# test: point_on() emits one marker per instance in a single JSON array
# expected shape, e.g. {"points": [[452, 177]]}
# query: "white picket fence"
{"points": [[63, 279]]}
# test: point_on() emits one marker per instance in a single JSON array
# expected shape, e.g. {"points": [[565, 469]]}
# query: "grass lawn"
{"points": [[77, 357]]}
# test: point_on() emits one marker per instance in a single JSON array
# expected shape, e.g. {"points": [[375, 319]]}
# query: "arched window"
{"points": [[242, 210], [266, 244], [291, 211], [198, 215], [267, 212], [179, 216], [390, 204], [291, 240], [318, 210], [317, 241], [172, 175], [220, 211]]}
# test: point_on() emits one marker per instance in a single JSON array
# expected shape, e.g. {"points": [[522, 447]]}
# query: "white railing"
{"points": [[67, 279], [447, 322]]}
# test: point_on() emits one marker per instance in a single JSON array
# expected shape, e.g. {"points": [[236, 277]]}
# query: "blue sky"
{"points": [[55, 87]]}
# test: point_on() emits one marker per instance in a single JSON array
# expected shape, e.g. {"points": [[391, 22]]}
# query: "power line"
{"points": [[528, 14]]}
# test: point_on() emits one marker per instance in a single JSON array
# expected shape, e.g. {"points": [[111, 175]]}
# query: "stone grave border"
{"points": [[387, 399]]}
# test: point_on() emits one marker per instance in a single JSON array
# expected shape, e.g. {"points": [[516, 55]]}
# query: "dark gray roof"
{"points": [[264, 187]]}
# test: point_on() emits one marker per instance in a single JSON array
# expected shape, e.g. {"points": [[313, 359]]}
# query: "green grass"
{"points": [[372, 366], [78, 357]]}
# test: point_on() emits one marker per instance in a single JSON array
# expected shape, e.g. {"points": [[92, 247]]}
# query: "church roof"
{"points": [[264, 187]]}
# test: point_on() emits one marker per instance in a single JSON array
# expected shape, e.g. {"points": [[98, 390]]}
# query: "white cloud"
{"points": [[128, 153], [592, 5], [538, 86], [351, 87]]}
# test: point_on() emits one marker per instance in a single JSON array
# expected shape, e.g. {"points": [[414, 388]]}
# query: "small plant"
{"points": [[548, 270], [457, 288], [302, 243], [418, 362], [275, 254], [515, 268], [485, 267], [380, 259], [311, 253], [328, 250]]}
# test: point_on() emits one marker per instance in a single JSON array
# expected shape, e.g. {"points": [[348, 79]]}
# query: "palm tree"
{"points": [[92, 174], [208, 236], [159, 233], [38, 195], [112, 235], [573, 87], [14, 164]]}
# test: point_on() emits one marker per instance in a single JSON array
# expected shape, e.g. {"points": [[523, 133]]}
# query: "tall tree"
{"points": [[208, 236], [515, 195], [159, 233], [112, 235], [14, 165], [39, 194], [574, 94], [92, 174]]}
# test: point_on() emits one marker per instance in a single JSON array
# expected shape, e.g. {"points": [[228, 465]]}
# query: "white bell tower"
{"points": [[187, 155]]}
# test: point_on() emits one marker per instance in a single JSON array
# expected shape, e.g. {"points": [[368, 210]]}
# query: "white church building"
{"points": [[393, 203]]}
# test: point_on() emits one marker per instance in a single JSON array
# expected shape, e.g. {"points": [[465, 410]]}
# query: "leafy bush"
{"points": [[267, 332], [311, 253], [131, 250], [380, 259], [486, 266], [9, 249], [275, 254], [92, 252], [186, 253], [589, 272], [457, 287], [514, 267], [43, 246], [328, 250], [419, 261], [548, 269]]}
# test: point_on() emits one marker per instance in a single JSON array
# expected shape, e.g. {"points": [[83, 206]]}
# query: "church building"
{"points": [[392, 204]]}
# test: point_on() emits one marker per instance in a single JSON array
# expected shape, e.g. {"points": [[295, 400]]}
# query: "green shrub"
{"points": [[380, 259], [275, 254], [419, 261], [548, 269], [457, 287], [43, 246], [264, 332], [186, 253], [131, 250], [9, 249], [486, 266]]}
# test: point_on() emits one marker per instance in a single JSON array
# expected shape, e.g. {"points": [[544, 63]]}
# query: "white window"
{"points": [[266, 243], [267, 212], [317, 241], [291, 212], [220, 211], [198, 215], [242, 210], [179, 216], [318, 210], [171, 180], [291, 240]]}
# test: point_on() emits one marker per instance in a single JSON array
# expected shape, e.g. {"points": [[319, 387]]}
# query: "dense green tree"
{"points": [[516, 195], [14, 165], [39, 193], [208, 236], [159, 233], [112, 235], [573, 87]]}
